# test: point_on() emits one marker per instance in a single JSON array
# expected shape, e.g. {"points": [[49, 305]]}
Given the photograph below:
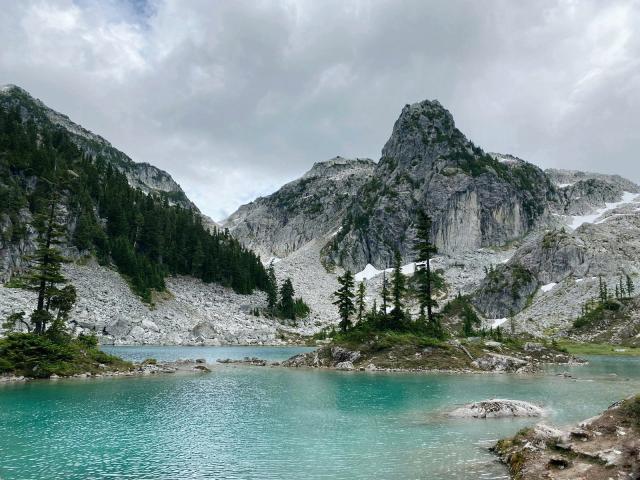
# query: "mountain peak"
{"points": [[424, 131]]}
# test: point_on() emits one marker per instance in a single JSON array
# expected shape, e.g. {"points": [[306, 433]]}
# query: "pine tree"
{"points": [[425, 250], [344, 300], [287, 303], [360, 300], [271, 288], [621, 289]]}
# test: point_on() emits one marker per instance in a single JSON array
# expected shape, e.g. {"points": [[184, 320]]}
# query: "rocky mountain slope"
{"points": [[308, 208], [119, 217]]}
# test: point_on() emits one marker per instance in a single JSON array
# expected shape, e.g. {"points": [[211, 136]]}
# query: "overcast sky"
{"points": [[234, 98]]}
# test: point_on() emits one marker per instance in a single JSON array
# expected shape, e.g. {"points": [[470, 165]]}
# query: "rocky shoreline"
{"points": [[603, 447], [145, 368]]}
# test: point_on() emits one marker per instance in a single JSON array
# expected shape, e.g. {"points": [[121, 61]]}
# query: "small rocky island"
{"points": [[604, 447], [389, 352]]}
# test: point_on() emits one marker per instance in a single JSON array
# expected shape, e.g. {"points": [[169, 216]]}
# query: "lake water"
{"points": [[243, 422]]}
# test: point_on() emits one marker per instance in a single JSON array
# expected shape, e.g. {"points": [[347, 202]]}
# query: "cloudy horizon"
{"points": [[234, 99]]}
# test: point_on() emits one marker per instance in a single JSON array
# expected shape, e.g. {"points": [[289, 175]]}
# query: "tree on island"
{"points": [[386, 296], [398, 291], [360, 302], [344, 300], [425, 250]]}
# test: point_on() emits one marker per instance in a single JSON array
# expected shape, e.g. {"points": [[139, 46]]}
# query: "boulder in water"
{"points": [[498, 408]]}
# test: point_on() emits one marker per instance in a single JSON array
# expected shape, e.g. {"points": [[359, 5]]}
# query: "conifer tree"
{"points": [[398, 291], [271, 288], [630, 287], [344, 300], [287, 303], [360, 300], [45, 272], [425, 250], [386, 296]]}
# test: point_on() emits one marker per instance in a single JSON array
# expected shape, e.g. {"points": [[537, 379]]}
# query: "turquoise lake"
{"points": [[271, 423]]}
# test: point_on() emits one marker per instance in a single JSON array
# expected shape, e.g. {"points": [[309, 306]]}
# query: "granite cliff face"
{"points": [[474, 198]]}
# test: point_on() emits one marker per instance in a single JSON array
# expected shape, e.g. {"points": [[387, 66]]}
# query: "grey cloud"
{"points": [[235, 98]]}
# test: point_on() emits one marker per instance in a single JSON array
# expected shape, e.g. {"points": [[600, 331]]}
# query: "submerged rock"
{"points": [[498, 408]]}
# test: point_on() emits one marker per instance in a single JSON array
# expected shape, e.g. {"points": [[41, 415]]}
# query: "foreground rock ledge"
{"points": [[603, 447], [497, 408]]}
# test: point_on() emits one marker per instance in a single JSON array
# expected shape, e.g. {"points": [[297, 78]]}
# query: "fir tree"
{"points": [[287, 303], [630, 286], [360, 300], [425, 250], [271, 288], [398, 291], [344, 300], [386, 296], [45, 271]]}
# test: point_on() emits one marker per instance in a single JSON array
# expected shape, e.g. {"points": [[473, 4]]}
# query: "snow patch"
{"points": [[370, 271], [577, 221], [367, 274], [578, 280], [548, 287], [564, 185], [496, 322]]}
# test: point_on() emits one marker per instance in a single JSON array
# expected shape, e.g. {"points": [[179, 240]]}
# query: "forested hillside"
{"points": [[143, 235]]}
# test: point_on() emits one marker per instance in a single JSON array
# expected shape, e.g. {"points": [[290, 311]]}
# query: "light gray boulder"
{"points": [[498, 408]]}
